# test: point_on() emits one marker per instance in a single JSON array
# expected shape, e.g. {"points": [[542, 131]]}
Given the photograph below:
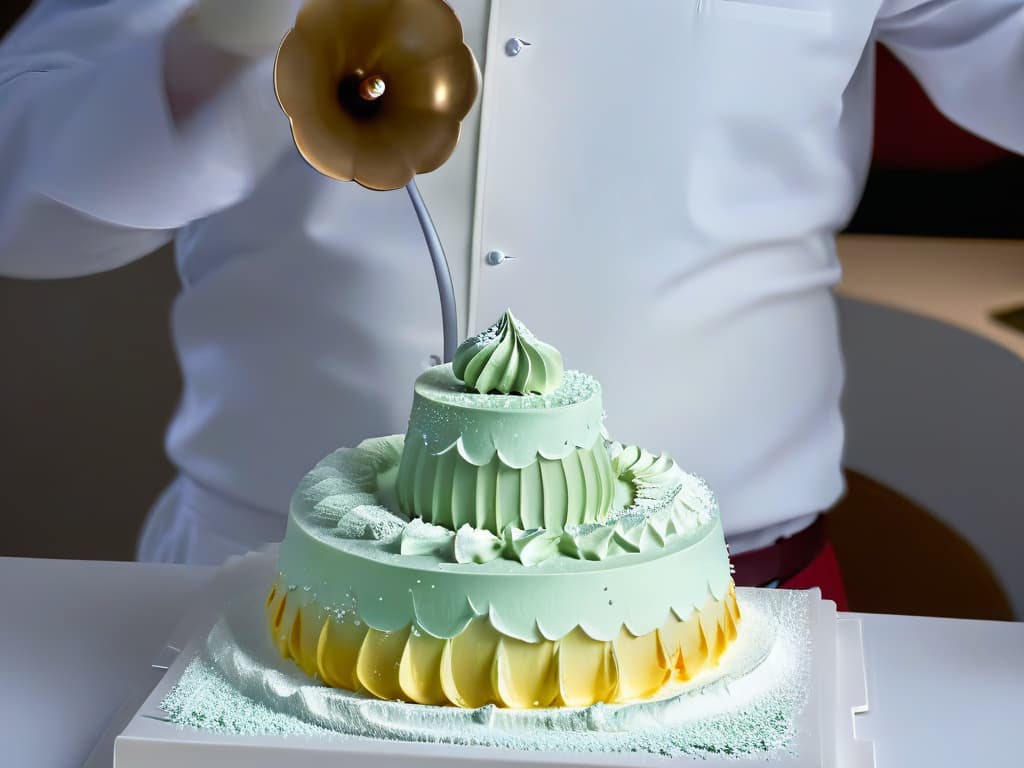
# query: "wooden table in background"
{"points": [[957, 281]]}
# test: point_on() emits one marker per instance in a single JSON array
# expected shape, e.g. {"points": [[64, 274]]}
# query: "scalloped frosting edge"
{"points": [[389, 591], [483, 665]]}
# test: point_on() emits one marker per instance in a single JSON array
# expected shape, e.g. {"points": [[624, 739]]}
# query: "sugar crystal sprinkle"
{"points": [[576, 387]]}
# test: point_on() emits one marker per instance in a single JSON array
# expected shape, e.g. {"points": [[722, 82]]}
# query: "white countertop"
{"points": [[76, 638]]}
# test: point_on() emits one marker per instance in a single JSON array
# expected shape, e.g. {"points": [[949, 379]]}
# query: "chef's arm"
{"points": [[120, 122], [969, 56]]}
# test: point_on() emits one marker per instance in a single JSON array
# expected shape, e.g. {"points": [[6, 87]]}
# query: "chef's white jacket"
{"points": [[664, 178]]}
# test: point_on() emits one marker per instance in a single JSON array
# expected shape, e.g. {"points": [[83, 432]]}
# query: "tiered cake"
{"points": [[503, 551]]}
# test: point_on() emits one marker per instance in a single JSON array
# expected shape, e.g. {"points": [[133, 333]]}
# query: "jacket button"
{"points": [[494, 258], [514, 46]]}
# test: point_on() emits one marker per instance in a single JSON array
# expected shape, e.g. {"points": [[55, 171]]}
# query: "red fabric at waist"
{"points": [[822, 572], [782, 559], [801, 561]]}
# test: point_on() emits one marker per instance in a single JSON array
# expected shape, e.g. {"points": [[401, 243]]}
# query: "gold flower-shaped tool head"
{"points": [[376, 90]]}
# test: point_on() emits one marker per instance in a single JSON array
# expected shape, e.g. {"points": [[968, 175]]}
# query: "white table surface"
{"points": [[76, 638]]}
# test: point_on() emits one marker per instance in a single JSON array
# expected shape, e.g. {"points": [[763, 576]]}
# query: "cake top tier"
{"points": [[504, 438], [520, 428], [507, 359]]}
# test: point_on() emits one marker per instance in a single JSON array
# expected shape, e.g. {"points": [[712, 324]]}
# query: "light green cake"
{"points": [[504, 550]]}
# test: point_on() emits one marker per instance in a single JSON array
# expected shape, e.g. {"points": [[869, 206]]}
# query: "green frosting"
{"points": [[449, 491], [642, 469], [492, 461], [471, 545], [518, 429], [389, 590], [350, 496], [508, 359]]}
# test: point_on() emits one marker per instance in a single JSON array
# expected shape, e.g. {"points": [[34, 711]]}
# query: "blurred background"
{"points": [[932, 307]]}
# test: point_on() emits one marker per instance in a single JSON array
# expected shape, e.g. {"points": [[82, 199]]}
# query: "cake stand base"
{"points": [[144, 737]]}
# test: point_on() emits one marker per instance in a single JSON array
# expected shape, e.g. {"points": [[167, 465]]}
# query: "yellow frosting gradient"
{"points": [[482, 666]]}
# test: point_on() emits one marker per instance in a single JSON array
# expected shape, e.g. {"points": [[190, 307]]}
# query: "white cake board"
{"points": [[826, 727]]}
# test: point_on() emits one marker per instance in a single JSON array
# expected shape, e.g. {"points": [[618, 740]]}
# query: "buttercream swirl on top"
{"points": [[508, 359]]}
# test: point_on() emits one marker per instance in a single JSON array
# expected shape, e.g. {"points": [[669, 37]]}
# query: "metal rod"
{"points": [[445, 287]]}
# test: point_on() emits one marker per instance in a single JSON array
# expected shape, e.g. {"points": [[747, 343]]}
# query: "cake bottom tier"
{"points": [[481, 666]]}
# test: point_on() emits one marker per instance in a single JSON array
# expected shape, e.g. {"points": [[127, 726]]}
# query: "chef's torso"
{"points": [[663, 178]]}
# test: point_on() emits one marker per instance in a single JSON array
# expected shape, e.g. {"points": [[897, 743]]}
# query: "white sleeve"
{"points": [[969, 56], [93, 170]]}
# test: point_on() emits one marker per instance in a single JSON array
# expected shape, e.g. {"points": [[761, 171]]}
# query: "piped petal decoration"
{"points": [[376, 90], [530, 547], [420, 538], [481, 665], [530, 515], [473, 545], [587, 542]]}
